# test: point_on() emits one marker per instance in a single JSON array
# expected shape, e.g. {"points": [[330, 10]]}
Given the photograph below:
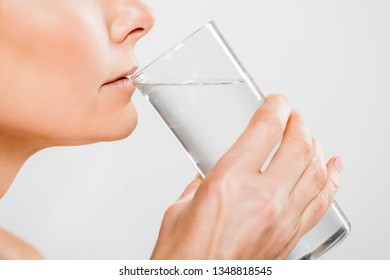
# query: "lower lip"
{"points": [[122, 86], [123, 82]]}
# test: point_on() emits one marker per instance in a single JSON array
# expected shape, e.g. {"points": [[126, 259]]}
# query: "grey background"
{"points": [[330, 58]]}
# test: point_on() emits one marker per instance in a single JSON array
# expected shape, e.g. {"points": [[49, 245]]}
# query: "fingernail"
{"points": [[278, 94], [285, 98], [339, 164]]}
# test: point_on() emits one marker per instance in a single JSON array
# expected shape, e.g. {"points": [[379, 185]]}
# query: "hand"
{"points": [[237, 212]]}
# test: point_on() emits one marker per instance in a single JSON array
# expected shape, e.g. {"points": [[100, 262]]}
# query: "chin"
{"points": [[123, 128], [113, 130], [103, 129], [122, 133]]}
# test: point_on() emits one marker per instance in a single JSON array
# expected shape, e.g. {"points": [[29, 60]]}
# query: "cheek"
{"points": [[51, 72], [67, 55], [50, 64]]}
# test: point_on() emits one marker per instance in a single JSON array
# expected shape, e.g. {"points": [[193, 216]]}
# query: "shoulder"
{"points": [[14, 248]]}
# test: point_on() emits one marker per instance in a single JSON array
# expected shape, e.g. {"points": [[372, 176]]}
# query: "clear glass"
{"points": [[205, 97]]}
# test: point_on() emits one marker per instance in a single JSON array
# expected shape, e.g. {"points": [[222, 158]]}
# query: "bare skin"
{"points": [[14, 248], [59, 61], [236, 212]]}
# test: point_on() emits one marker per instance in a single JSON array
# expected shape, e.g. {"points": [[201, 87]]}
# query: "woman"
{"points": [[62, 82]]}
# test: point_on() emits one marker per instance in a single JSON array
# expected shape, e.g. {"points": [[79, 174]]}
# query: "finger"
{"points": [[318, 206], [191, 189], [252, 148], [321, 203], [307, 188], [293, 155], [311, 183]]}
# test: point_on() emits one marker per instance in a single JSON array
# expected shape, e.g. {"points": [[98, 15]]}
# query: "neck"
{"points": [[14, 152]]}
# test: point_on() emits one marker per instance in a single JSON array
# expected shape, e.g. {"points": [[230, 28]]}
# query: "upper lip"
{"points": [[123, 75]]}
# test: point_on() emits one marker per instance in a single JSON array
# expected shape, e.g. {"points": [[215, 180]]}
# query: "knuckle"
{"points": [[333, 185], [318, 209], [287, 230], [269, 211], [269, 123], [321, 205], [221, 181], [278, 98], [231, 161], [300, 124], [169, 212], [284, 226], [302, 148], [168, 219], [298, 117], [170, 215], [320, 175]]}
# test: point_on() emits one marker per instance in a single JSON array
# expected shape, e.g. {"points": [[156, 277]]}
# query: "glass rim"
{"points": [[210, 24]]}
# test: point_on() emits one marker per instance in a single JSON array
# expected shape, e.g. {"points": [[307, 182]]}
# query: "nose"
{"points": [[129, 20]]}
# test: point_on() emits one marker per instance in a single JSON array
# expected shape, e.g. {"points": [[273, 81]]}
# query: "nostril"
{"points": [[137, 31]]}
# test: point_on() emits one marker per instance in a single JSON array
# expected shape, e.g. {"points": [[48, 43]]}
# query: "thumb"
{"points": [[191, 189]]}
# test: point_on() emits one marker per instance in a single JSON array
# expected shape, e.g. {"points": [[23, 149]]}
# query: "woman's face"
{"points": [[58, 63]]}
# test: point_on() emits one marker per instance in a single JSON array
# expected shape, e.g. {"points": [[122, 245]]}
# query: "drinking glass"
{"points": [[205, 97]]}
